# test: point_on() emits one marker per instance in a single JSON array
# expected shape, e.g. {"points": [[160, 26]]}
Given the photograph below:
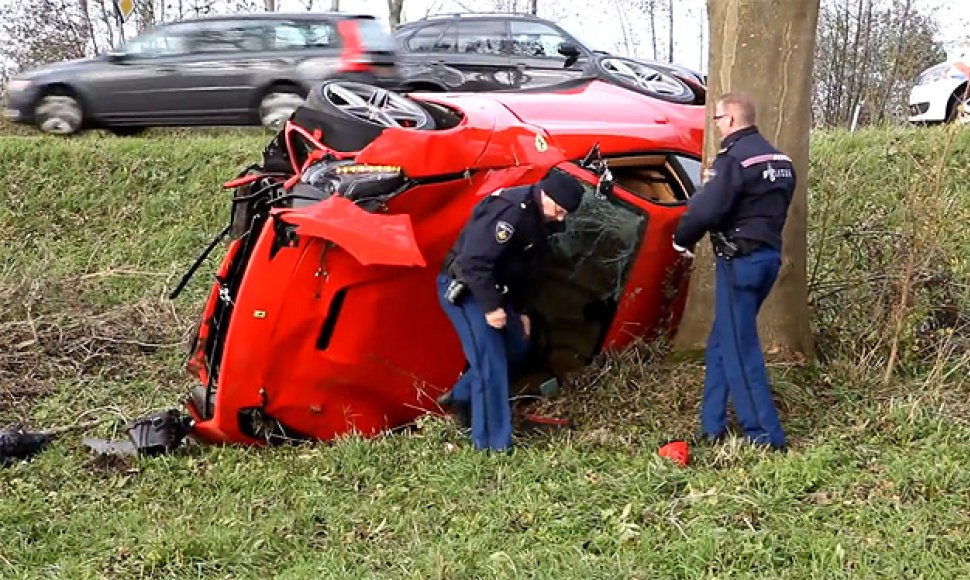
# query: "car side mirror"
{"points": [[570, 51]]}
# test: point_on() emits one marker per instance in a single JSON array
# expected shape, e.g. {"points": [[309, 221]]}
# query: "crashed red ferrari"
{"points": [[324, 318]]}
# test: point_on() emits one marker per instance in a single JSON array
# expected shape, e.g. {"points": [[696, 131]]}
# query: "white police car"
{"points": [[940, 93]]}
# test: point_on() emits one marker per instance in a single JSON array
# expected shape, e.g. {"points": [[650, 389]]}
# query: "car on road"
{"points": [[324, 320], [940, 94], [253, 69], [481, 51]]}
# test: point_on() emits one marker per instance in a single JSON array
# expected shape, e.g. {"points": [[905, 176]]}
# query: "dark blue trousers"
{"points": [[490, 353], [735, 363]]}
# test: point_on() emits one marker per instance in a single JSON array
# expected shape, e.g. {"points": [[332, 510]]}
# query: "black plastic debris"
{"points": [[160, 432], [17, 443]]}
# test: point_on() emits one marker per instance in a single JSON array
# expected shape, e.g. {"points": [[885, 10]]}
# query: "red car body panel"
{"points": [[326, 345]]}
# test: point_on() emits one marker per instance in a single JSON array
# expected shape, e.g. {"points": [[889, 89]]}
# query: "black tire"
{"points": [[958, 109], [126, 131], [645, 79], [58, 112], [349, 126]]}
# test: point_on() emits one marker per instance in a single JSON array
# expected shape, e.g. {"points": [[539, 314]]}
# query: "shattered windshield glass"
{"points": [[583, 277], [599, 243]]}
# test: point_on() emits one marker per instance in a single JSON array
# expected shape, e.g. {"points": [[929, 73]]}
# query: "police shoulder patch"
{"points": [[503, 232]]}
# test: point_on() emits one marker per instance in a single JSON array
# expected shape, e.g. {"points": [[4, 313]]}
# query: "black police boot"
{"points": [[459, 411]]}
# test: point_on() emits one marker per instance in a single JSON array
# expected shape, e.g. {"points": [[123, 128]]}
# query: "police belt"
{"points": [[728, 247]]}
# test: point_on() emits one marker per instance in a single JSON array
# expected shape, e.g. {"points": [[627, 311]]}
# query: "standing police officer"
{"points": [[744, 205], [482, 287]]}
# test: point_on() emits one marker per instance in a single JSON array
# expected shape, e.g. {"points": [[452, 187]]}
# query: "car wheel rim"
{"points": [[375, 105], [644, 77], [59, 115], [276, 108]]}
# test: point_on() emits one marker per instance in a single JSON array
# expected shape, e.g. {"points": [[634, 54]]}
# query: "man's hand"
{"points": [[526, 325], [496, 318], [682, 250]]}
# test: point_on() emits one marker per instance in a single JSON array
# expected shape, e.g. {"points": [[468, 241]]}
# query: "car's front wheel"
{"points": [[351, 115], [59, 114], [959, 112]]}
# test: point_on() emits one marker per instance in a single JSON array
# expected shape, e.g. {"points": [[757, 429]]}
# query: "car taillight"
{"points": [[352, 59]]}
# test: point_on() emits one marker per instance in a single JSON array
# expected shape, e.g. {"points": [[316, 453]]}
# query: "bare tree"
{"points": [[269, 5], [394, 8], [533, 7], [868, 53], [752, 53], [650, 8], [670, 30], [49, 31]]}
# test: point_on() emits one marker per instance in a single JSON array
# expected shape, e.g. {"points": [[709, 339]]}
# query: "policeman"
{"points": [[743, 205], [482, 287]]}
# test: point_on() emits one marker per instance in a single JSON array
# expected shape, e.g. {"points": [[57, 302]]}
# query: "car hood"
{"points": [[59, 67]]}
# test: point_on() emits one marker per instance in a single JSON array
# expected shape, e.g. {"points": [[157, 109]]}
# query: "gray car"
{"points": [[252, 69]]}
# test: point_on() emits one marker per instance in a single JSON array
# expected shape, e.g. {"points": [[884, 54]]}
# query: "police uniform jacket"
{"points": [[747, 197], [497, 250]]}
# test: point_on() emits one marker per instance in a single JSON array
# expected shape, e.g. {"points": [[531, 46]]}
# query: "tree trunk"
{"points": [[269, 5], [334, 6], [776, 70], [533, 7], [652, 11], [670, 30], [394, 8]]}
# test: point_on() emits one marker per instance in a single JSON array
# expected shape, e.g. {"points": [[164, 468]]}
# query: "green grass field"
{"points": [[97, 231]]}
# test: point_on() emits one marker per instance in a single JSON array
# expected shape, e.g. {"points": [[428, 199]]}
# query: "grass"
{"points": [[99, 229]]}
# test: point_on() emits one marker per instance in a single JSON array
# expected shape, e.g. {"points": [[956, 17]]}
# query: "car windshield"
{"points": [[375, 36]]}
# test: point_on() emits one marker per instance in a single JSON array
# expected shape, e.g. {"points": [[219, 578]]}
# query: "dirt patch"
{"points": [[106, 465], [51, 335]]}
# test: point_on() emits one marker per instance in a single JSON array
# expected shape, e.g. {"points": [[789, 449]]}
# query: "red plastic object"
{"points": [[677, 451]]}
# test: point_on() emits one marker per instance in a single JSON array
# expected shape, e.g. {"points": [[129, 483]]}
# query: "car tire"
{"points": [[351, 115], [59, 114], [277, 105], [645, 79], [959, 109]]}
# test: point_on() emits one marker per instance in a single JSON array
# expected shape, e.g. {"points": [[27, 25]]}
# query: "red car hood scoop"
{"points": [[370, 238]]}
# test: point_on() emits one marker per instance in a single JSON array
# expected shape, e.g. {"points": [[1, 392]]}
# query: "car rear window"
{"points": [[374, 36]]}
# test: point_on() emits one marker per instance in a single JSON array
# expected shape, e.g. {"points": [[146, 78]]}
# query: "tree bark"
{"points": [[670, 30], [394, 8], [776, 70]]}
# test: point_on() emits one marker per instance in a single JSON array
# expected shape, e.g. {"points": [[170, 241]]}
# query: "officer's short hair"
{"points": [[742, 104]]}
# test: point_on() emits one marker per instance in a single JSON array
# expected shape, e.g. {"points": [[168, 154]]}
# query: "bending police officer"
{"points": [[483, 287], [744, 206]]}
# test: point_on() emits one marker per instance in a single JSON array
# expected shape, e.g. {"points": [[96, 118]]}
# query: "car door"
{"points": [[466, 54], [214, 83], [536, 58], [137, 83]]}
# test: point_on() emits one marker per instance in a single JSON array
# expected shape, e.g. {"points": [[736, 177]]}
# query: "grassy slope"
{"points": [[98, 230]]}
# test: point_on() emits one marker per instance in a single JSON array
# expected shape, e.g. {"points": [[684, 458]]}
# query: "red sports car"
{"points": [[324, 317]]}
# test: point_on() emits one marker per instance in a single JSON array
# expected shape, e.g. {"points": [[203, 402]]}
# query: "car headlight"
{"points": [[933, 74], [18, 85]]}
